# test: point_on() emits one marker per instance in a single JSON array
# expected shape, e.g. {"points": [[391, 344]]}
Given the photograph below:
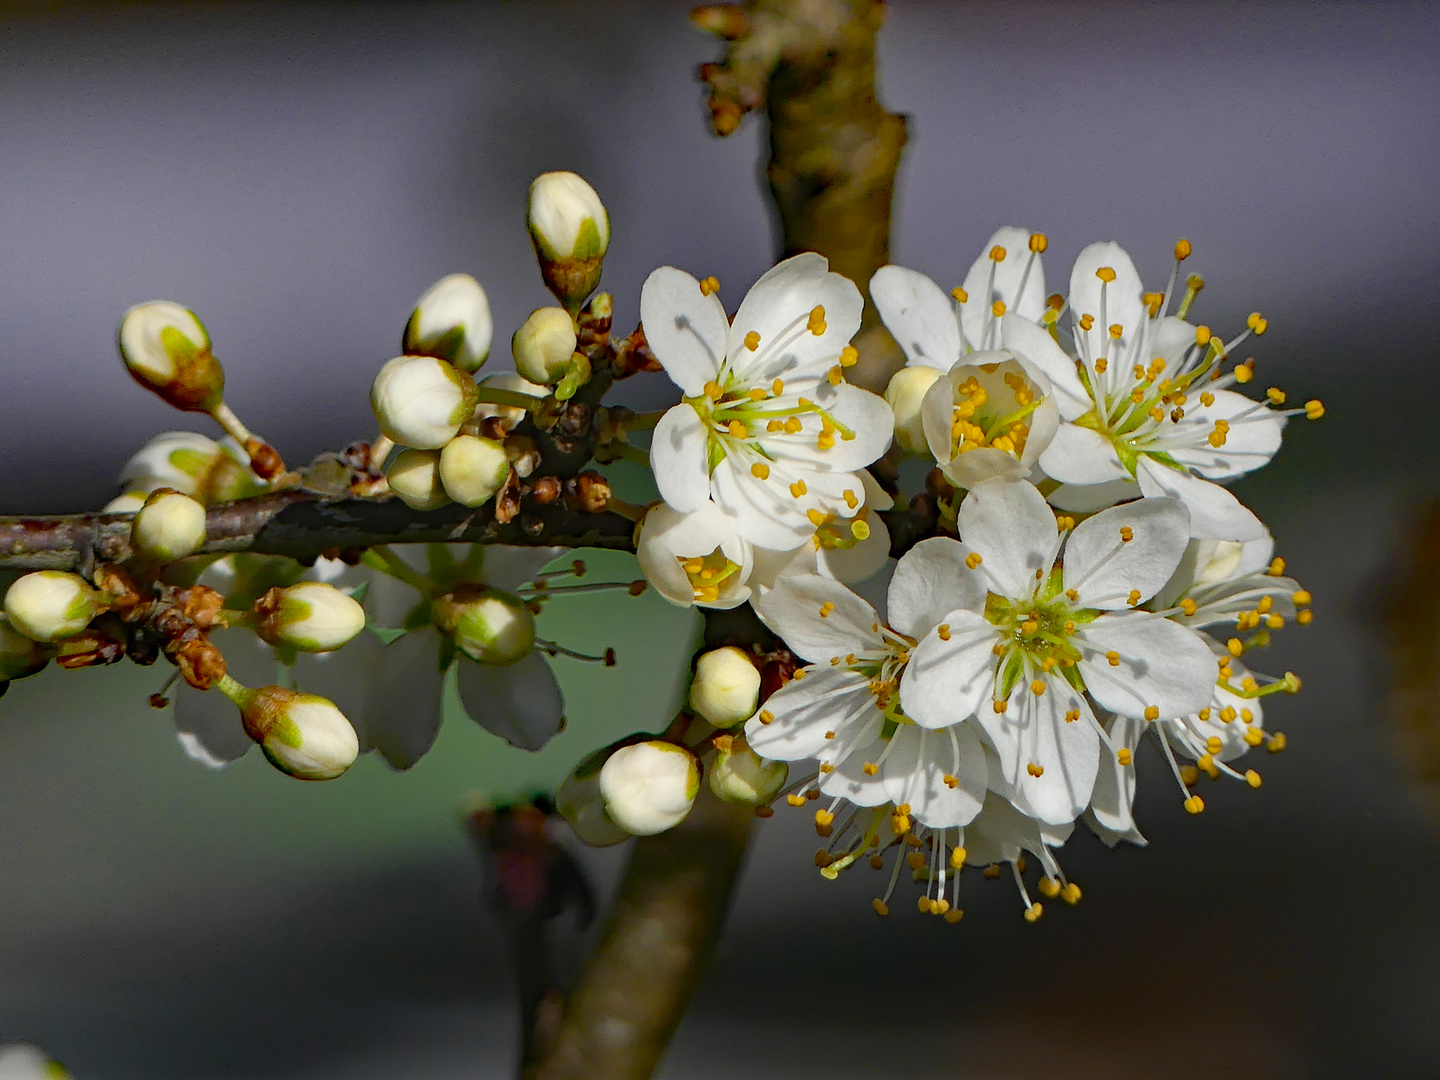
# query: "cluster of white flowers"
{"points": [[1092, 579]]}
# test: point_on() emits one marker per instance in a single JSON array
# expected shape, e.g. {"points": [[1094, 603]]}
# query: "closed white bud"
{"points": [[650, 786], [22, 1061], [19, 655], [904, 396], [570, 229], [726, 687], [739, 775], [303, 735], [193, 465], [421, 401], [473, 469], [128, 503], [543, 345], [452, 321], [580, 803], [168, 527], [167, 350], [49, 605], [488, 625], [310, 616], [414, 475], [508, 415]]}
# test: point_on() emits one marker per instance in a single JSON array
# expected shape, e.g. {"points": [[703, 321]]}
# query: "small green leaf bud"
{"points": [[421, 401], [570, 229], [167, 349], [739, 775], [452, 321], [168, 527], [487, 624], [580, 803], [726, 687], [19, 655], [904, 396], [310, 616], [303, 735], [650, 786], [543, 345], [49, 605], [414, 475], [473, 469]]}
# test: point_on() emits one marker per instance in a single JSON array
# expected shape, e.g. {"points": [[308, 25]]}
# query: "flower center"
{"points": [[707, 573], [992, 409]]}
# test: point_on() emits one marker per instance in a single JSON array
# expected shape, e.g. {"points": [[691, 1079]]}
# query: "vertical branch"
{"points": [[834, 152]]}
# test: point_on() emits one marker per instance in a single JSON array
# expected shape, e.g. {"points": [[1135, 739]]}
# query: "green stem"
{"points": [[387, 562], [494, 395], [644, 421]]}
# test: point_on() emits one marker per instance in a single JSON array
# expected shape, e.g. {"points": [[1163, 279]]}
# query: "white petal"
{"points": [[1162, 664], [520, 702], [915, 771], [977, 320], [1214, 512], [1250, 443], [1088, 498], [678, 457], [206, 721], [1009, 524], [343, 676], [919, 314], [792, 609], [931, 580], [778, 307], [403, 716], [1123, 305], [1034, 343], [1112, 802], [948, 680], [805, 709], [857, 563], [764, 512], [1106, 570], [868, 416], [508, 567], [666, 536], [1078, 455], [685, 329], [849, 752], [1033, 731]]}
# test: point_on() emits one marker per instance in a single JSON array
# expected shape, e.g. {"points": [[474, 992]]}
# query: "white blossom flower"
{"points": [[768, 428], [695, 558], [649, 787], [452, 321], [1147, 409], [851, 707], [726, 688], [849, 548]]}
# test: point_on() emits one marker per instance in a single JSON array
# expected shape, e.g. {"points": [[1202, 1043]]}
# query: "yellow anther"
{"points": [[959, 294], [915, 860], [826, 767], [760, 471], [1133, 599], [954, 915], [766, 716], [860, 529], [737, 430], [1086, 322], [1064, 522], [1100, 366], [1039, 242], [1204, 714], [777, 387], [1305, 617], [825, 609], [1276, 395], [1188, 606], [877, 863], [998, 308], [824, 817], [879, 906], [752, 340], [795, 799], [997, 253], [1228, 714], [835, 376], [1000, 706], [756, 394], [1035, 770], [1049, 888], [817, 518], [1189, 775], [952, 782], [1207, 399], [1275, 622], [1029, 626], [1202, 335], [1235, 646], [1037, 687], [939, 906], [1195, 804], [943, 630], [1071, 894], [973, 560], [1126, 534], [714, 391], [1244, 372], [1116, 331], [849, 356], [798, 488], [774, 426], [1182, 250], [1276, 742], [1105, 274], [793, 426], [1033, 912], [1314, 409], [1261, 325], [1072, 595], [1254, 736], [709, 285], [1252, 778], [1124, 756], [957, 858], [1113, 657], [816, 322], [1277, 567], [1214, 744]]}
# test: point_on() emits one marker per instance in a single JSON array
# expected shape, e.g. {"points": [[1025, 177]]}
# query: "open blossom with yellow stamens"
{"points": [[695, 558], [768, 428], [850, 547], [1145, 400]]}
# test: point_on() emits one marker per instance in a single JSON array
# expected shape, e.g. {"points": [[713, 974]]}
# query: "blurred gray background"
{"points": [[298, 173]]}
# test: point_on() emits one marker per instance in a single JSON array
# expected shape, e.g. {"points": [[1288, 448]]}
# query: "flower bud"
{"points": [[696, 558], [310, 616], [168, 527], [49, 605], [303, 735], [904, 395], [649, 787], [726, 687], [508, 415], [740, 775], [128, 503], [23, 1061], [421, 401], [489, 625], [19, 655], [193, 465], [166, 349], [473, 469], [543, 345], [451, 321], [580, 803], [414, 475], [570, 230]]}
